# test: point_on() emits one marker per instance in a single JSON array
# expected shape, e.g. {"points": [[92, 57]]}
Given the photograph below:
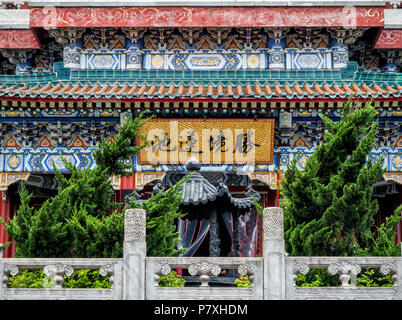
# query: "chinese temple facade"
{"points": [[237, 84]]}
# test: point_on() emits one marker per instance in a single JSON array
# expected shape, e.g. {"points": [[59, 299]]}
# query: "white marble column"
{"points": [[134, 254], [274, 254]]}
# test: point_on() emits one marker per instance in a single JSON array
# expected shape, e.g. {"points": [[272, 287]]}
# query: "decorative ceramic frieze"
{"points": [[205, 60], [22, 59], [103, 59], [392, 157], [276, 43], [391, 57], [340, 56], [308, 59]]}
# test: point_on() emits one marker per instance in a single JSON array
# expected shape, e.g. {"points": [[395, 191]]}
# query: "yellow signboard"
{"points": [[211, 141]]}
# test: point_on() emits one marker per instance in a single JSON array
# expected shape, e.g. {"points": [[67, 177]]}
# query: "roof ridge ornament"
{"points": [[395, 3], [193, 164]]}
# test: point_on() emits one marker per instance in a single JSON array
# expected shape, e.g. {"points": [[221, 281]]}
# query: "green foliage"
{"points": [[243, 282], [317, 278], [381, 245], [95, 237], [329, 206], [383, 241], [38, 233], [321, 278], [171, 280], [111, 154], [83, 278], [373, 278], [4, 246], [81, 219], [303, 281], [260, 208], [27, 279], [162, 211]]}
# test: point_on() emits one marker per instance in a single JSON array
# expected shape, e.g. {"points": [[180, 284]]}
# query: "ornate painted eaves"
{"points": [[212, 16], [158, 85], [18, 39]]}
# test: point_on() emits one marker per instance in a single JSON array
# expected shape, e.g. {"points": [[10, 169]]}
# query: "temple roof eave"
{"points": [[218, 85], [325, 90]]}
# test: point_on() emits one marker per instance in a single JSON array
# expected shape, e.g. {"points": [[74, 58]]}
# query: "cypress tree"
{"points": [[77, 221], [328, 207], [162, 212]]}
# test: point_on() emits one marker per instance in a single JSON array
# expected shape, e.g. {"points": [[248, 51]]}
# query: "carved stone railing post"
{"points": [[300, 267], [247, 269], [392, 269], [8, 270], [345, 271], [57, 272], [160, 269], [134, 254], [107, 270], [274, 254], [204, 270]]}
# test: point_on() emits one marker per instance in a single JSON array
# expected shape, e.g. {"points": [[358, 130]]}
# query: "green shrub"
{"points": [[321, 278], [27, 279], [83, 278], [3, 246], [373, 278], [317, 278], [171, 280], [329, 209], [81, 220], [243, 282]]}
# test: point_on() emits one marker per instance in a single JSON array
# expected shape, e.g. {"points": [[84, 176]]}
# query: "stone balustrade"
{"points": [[348, 268], [272, 276], [205, 269], [55, 269]]}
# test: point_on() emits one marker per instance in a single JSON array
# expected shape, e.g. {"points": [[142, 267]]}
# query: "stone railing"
{"points": [[55, 269], [204, 269], [272, 276], [348, 268]]}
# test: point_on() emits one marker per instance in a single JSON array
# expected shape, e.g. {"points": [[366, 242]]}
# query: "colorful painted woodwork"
{"points": [[71, 75]]}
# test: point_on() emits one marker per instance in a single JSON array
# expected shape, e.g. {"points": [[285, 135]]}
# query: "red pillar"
{"points": [[127, 182], [272, 199]]}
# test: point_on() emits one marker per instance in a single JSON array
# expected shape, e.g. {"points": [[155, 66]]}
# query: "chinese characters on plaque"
{"points": [[212, 141]]}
